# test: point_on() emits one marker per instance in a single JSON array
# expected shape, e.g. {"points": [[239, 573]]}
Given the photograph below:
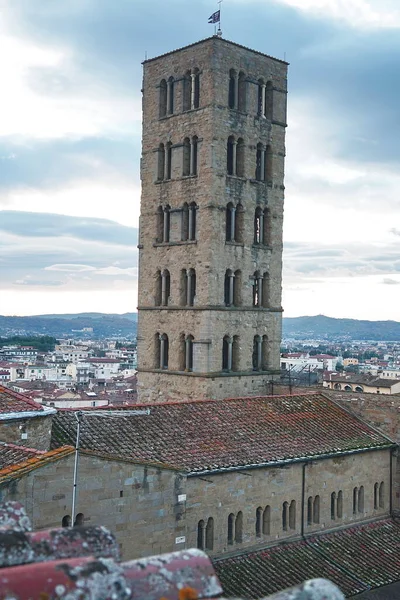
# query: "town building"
{"points": [[361, 383], [210, 242]]}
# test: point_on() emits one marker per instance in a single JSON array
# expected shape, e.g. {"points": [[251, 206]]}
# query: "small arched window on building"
{"points": [[200, 535], [162, 351], [235, 353], [66, 521], [227, 353], [231, 528], [186, 157], [240, 157], [355, 500], [333, 506], [340, 505], [170, 95], [210, 534], [259, 514], [188, 287], [309, 510], [161, 162], [182, 352], [232, 94], [165, 287], [157, 349], [189, 353], [160, 224], [231, 156], [261, 98], [266, 300], [157, 295], [257, 353], [229, 288], [376, 491], [382, 495], [163, 98], [185, 222], [269, 101], [192, 221], [230, 222], [242, 92], [79, 519], [266, 526], [168, 160], [257, 289], [316, 510], [166, 223], [265, 353], [239, 528], [285, 508], [292, 515], [360, 506], [194, 155], [260, 162], [268, 163], [187, 90], [196, 91], [258, 226]]}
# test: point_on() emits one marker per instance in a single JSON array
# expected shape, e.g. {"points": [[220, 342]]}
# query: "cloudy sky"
{"points": [[70, 128]]}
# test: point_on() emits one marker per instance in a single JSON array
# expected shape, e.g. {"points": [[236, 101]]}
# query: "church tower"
{"points": [[210, 235]]}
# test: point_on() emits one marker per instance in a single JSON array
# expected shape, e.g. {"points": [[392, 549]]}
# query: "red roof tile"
{"points": [[356, 559], [10, 454], [34, 462], [222, 434], [13, 402]]}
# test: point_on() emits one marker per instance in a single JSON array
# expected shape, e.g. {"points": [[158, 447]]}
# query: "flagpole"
{"points": [[219, 25]]}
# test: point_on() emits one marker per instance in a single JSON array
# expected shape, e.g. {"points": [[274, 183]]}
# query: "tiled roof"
{"points": [[217, 435], [356, 559], [10, 454], [13, 402], [366, 379], [35, 462]]}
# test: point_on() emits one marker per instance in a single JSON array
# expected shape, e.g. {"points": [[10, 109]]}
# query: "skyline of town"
{"points": [[70, 150]]}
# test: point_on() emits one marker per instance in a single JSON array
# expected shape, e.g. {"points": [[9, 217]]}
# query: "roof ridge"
{"points": [[18, 396], [35, 461]]}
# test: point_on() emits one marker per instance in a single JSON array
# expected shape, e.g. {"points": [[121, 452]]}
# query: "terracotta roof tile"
{"points": [[356, 559], [33, 462], [223, 434], [13, 402], [10, 454]]}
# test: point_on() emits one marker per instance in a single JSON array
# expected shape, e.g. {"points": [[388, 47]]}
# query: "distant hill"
{"points": [[70, 325], [322, 327]]}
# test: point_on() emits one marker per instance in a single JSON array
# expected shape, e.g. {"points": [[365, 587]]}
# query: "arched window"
{"points": [[231, 156], [185, 222], [316, 510], [259, 514], [163, 98], [189, 353], [358, 388], [355, 500], [260, 162], [230, 222], [182, 352], [165, 287], [186, 157], [265, 353], [164, 351], [232, 95], [266, 291], [170, 95], [257, 350], [79, 520], [194, 155], [235, 353], [196, 88], [268, 163], [166, 223], [239, 225], [261, 97], [158, 295], [157, 350], [269, 105], [168, 156], [66, 521], [258, 226], [239, 528], [292, 514], [240, 158], [188, 287], [237, 289], [210, 534], [340, 504], [227, 353], [361, 499], [160, 224], [200, 535], [309, 510], [382, 495], [231, 528], [376, 491], [242, 92], [192, 224], [285, 508], [187, 90], [161, 162], [257, 289], [266, 528], [267, 227], [229, 288], [333, 506]]}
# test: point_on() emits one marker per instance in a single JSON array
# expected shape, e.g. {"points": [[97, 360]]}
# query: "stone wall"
{"points": [[220, 495], [32, 432], [209, 320]]}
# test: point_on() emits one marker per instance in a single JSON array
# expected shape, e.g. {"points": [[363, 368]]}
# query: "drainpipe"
{"points": [[391, 483], [303, 489]]}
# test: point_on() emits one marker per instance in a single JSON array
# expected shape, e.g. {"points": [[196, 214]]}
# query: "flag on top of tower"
{"points": [[215, 17]]}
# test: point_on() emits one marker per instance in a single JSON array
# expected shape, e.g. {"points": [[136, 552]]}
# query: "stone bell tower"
{"points": [[210, 241]]}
